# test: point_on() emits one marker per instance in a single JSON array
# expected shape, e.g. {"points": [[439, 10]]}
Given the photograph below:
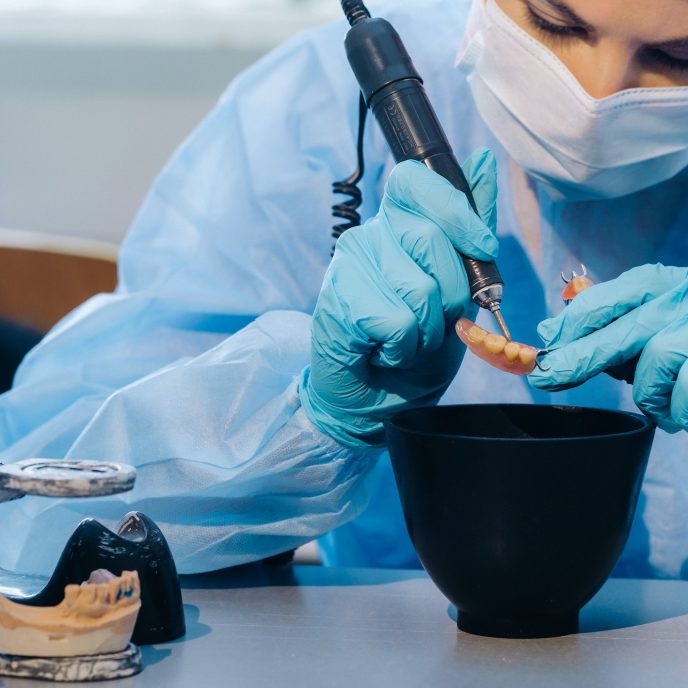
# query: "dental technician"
{"points": [[245, 373]]}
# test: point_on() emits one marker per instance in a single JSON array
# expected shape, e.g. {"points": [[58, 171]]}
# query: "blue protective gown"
{"points": [[189, 370]]}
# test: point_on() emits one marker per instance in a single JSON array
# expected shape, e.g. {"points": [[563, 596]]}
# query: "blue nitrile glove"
{"points": [[382, 335], [643, 312]]}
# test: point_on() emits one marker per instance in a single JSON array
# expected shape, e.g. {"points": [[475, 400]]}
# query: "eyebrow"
{"points": [[680, 44], [567, 12]]}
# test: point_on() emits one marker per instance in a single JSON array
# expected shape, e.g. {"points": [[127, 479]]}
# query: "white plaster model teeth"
{"points": [[95, 617]]}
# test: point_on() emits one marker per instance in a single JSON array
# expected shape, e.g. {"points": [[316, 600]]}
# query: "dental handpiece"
{"points": [[393, 90]]}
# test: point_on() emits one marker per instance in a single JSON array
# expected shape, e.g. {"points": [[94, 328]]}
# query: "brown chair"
{"points": [[44, 276]]}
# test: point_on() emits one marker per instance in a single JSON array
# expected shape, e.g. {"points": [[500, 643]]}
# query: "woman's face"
{"points": [[610, 45]]}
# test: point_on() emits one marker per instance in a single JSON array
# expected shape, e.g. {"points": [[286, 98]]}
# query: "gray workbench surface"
{"points": [[315, 626]]}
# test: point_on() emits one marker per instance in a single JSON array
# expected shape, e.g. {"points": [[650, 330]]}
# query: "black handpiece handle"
{"points": [[394, 91]]}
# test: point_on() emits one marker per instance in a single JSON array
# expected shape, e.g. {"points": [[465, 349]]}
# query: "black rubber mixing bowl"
{"points": [[518, 512]]}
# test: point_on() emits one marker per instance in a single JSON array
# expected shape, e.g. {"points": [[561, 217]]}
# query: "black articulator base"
{"points": [[137, 545]]}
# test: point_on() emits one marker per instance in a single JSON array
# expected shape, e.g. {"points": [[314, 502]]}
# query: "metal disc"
{"points": [[66, 478]]}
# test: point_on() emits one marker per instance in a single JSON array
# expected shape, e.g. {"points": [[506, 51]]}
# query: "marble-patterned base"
{"points": [[80, 668], [65, 478]]}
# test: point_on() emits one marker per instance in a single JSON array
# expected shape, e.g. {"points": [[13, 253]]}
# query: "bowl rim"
{"points": [[646, 423]]}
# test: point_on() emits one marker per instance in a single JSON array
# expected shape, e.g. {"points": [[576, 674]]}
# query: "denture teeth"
{"points": [[512, 350], [527, 355], [495, 343], [476, 334]]}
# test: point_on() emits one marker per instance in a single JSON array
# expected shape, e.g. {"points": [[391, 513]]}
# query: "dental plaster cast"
{"points": [[96, 617], [511, 357]]}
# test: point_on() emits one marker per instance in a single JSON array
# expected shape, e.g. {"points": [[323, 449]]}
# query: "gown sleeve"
{"points": [[189, 370]]}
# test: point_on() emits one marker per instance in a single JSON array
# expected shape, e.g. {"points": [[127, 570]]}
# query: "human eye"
{"points": [[666, 59], [551, 28]]}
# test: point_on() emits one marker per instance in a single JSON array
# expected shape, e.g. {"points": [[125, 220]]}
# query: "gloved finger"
{"points": [[603, 303], [419, 286], [431, 250], [345, 341], [679, 398], [379, 325], [480, 170], [657, 372], [413, 188], [572, 364]]}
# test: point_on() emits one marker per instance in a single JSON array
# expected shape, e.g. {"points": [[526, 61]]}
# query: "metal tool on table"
{"points": [[392, 88], [64, 478]]}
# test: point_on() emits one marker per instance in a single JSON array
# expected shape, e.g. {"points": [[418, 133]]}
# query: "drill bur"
{"points": [[501, 322]]}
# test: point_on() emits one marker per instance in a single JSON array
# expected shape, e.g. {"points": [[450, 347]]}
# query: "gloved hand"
{"points": [[643, 312], [382, 334]]}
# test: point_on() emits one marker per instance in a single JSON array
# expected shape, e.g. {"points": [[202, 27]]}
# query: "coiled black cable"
{"points": [[348, 210]]}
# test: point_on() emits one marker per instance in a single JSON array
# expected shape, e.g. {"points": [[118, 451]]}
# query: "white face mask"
{"points": [[577, 146]]}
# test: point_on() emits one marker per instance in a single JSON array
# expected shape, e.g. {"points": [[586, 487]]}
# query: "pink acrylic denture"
{"points": [[511, 357]]}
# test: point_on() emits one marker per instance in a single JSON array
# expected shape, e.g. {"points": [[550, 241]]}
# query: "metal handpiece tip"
{"points": [[502, 324]]}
